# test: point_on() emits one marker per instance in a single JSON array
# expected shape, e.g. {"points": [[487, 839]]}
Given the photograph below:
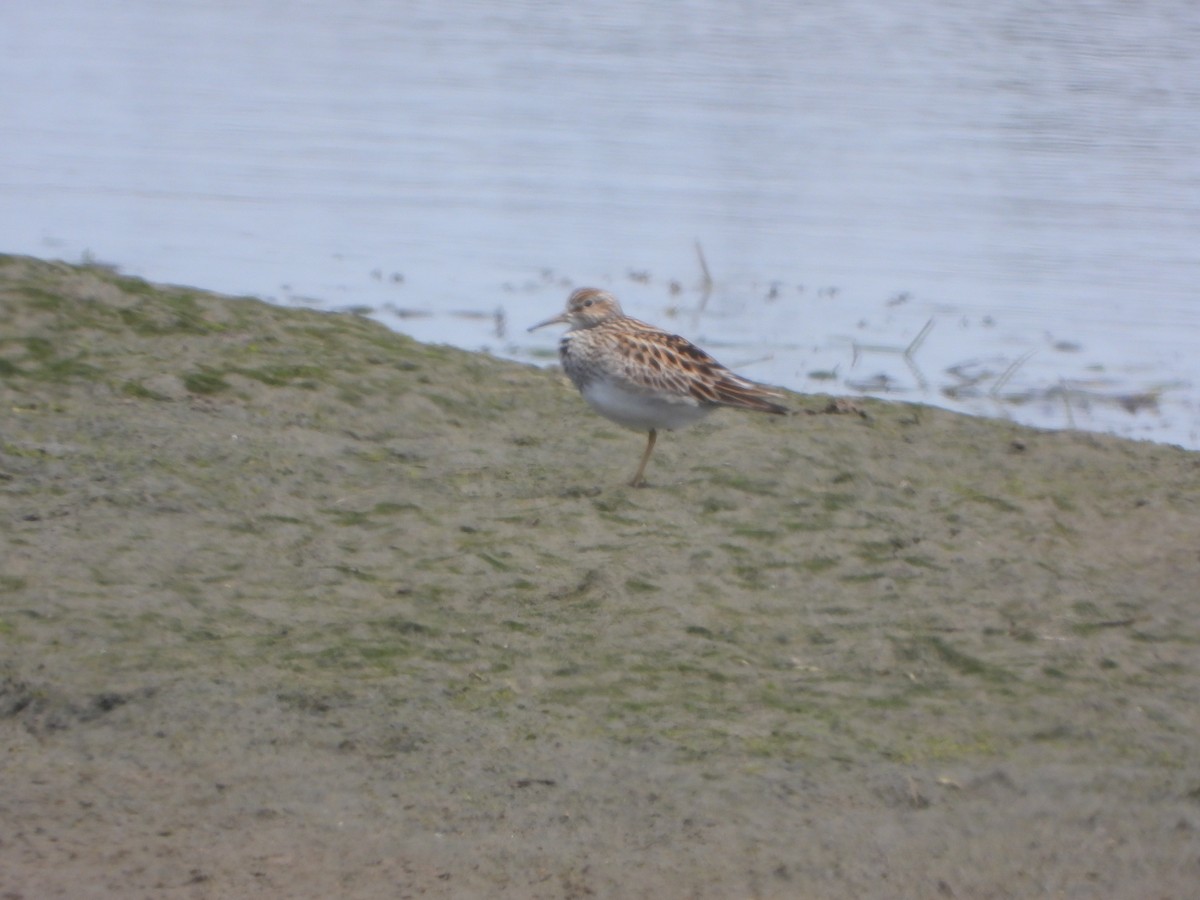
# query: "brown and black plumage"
{"points": [[643, 377]]}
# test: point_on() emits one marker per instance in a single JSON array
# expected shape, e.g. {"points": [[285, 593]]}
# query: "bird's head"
{"points": [[585, 307]]}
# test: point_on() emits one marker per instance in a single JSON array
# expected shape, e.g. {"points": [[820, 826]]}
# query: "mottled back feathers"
{"points": [[605, 343]]}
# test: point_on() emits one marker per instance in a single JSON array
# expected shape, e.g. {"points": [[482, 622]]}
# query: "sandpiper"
{"points": [[643, 377]]}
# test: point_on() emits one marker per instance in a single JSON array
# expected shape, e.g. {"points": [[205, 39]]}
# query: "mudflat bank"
{"points": [[292, 606]]}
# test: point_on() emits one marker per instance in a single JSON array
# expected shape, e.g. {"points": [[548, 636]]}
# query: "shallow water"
{"points": [[1023, 178]]}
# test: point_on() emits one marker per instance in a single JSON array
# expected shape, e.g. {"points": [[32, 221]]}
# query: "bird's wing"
{"points": [[664, 364]]}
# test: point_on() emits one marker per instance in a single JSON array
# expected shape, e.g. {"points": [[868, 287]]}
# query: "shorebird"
{"points": [[642, 377]]}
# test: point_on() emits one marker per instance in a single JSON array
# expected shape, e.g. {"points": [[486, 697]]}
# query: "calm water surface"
{"points": [[1025, 177]]}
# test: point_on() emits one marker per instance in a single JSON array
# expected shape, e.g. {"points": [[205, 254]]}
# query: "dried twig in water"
{"points": [[1009, 373], [908, 354], [1066, 398], [912, 348], [706, 282]]}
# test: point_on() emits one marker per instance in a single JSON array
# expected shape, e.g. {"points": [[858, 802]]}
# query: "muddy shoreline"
{"points": [[293, 606]]}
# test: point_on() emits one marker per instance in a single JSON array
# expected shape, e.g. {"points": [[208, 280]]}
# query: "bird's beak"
{"points": [[560, 319]]}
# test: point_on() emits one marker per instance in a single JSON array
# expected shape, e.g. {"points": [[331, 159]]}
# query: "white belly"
{"points": [[642, 412]]}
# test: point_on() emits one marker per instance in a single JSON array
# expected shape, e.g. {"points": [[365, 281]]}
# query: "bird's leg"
{"points": [[638, 480]]}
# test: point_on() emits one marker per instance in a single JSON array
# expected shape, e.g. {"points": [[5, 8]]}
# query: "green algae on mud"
{"points": [[298, 553]]}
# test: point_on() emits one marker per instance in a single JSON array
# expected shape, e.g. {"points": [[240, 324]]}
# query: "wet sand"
{"points": [[292, 606]]}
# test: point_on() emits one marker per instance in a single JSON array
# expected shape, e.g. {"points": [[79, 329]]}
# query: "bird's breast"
{"points": [[638, 410]]}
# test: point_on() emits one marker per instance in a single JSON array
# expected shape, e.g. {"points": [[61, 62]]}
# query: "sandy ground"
{"points": [[291, 606]]}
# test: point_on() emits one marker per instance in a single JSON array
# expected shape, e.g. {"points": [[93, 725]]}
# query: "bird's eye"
{"points": [[588, 302]]}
